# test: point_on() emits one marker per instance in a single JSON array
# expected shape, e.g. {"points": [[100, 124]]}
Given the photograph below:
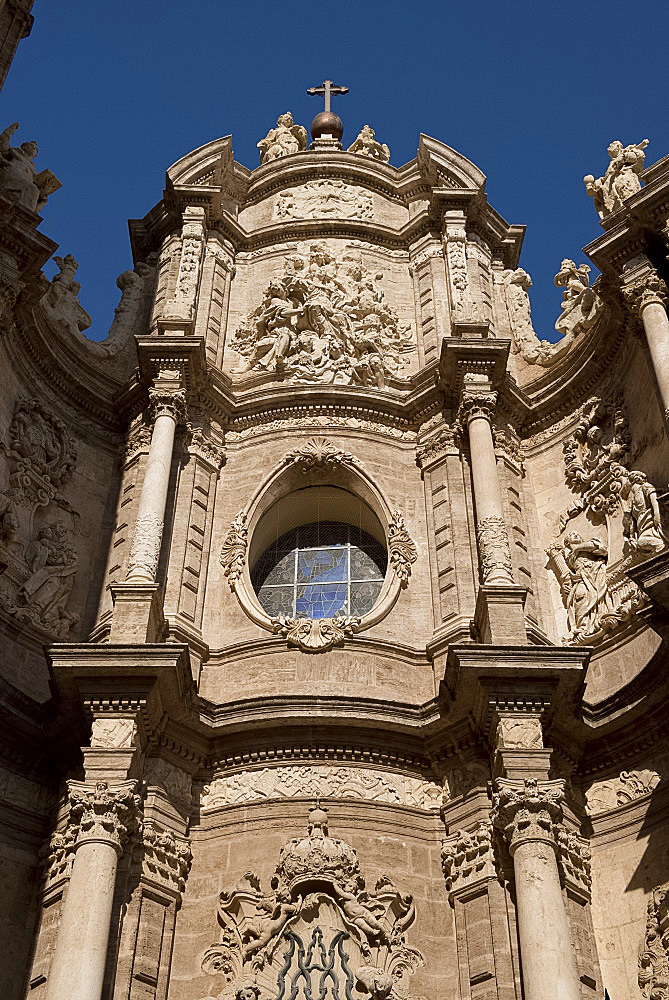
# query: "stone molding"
{"points": [[468, 858], [528, 810], [104, 812]]}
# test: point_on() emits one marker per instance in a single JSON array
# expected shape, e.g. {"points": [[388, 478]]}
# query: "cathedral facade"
{"points": [[333, 601]]}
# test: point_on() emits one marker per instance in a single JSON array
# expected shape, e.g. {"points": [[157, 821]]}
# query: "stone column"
{"points": [[476, 412], [649, 297], [169, 406], [529, 814], [105, 816]]}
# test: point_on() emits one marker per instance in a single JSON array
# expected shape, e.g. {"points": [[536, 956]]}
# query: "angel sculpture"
{"points": [[580, 305], [366, 145], [18, 177], [285, 138], [621, 180]]}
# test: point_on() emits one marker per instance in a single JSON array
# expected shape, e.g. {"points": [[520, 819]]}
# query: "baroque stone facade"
{"points": [[326, 533]]}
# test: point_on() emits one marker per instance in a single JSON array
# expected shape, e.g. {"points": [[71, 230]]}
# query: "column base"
{"points": [[500, 614], [138, 612]]}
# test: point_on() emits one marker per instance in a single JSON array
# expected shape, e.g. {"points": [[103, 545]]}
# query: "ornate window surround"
{"points": [[316, 465]]}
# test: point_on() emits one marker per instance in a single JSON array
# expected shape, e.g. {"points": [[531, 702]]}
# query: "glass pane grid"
{"points": [[318, 571]]}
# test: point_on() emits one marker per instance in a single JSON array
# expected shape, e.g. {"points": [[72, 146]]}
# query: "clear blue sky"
{"points": [[531, 92]]}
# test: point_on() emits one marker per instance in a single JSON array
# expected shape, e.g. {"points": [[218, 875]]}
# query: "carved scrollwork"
{"points": [[318, 453], [401, 548], [233, 550], [315, 634]]}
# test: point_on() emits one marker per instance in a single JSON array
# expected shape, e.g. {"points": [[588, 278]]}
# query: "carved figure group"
{"points": [[366, 145], [322, 321], [621, 180], [19, 178], [581, 305], [285, 138]]}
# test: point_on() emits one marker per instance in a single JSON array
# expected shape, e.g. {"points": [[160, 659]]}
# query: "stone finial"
{"points": [[285, 138], [366, 145]]}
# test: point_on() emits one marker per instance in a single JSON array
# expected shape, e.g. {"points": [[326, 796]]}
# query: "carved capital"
{"points": [[467, 858], [574, 858], [210, 453], [401, 548], [166, 859], [646, 291], [168, 402], [494, 551], [528, 810], [103, 812], [474, 404], [447, 441]]}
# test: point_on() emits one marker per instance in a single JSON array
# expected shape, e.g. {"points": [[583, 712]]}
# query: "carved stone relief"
{"points": [[113, 734], [598, 594], [325, 319], [38, 561], [233, 550], [630, 784], [318, 453], [317, 904], [322, 781], [166, 859], [653, 962], [325, 199], [468, 858], [401, 548]]}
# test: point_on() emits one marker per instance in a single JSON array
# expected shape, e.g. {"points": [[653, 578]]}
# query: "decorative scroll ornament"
{"points": [[626, 787], [495, 554], [233, 550], [401, 549], [653, 963], [325, 319], [319, 453], [166, 858], [315, 634], [528, 810], [317, 891], [621, 180], [104, 812], [467, 858], [168, 402], [593, 453]]}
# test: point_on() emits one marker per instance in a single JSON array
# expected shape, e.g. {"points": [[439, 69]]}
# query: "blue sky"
{"points": [[531, 92]]}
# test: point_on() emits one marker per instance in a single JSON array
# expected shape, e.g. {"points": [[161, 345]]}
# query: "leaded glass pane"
{"points": [[320, 570]]}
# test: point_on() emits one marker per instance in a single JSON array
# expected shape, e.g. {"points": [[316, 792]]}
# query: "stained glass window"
{"points": [[320, 570]]}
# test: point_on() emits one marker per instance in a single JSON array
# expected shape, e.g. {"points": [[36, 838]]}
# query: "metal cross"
{"points": [[328, 90]]}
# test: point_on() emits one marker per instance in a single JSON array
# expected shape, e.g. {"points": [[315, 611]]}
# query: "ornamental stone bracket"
{"points": [[317, 883]]}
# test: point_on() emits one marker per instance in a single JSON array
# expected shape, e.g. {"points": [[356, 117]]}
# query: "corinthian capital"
{"points": [[170, 402], [645, 291], [478, 399], [104, 812], [528, 810]]}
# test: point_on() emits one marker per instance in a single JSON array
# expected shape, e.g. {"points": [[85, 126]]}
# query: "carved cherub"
{"points": [[621, 180], [366, 145], [285, 138]]}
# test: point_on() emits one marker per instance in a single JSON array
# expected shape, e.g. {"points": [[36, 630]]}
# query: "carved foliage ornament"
{"points": [[493, 544], [166, 858], [653, 963], [315, 634], [317, 883], [319, 453], [233, 550], [104, 812], [467, 858], [401, 548], [528, 810]]}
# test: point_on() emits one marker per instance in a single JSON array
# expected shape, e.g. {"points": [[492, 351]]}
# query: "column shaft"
{"points": [[547, 957], [484, 469], [656, 326], [151, 512], [78, 967]]}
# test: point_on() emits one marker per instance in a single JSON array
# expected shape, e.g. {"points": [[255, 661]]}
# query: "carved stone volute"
{"points": [[528, 810]]}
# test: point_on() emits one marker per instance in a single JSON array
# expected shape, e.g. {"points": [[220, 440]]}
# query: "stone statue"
{"points": [[366, 145], [517, 284], [585, 584], [580, 303], [642, 524], [132, 285], [61, 302], [18, 177], [53, 562], [282, 140], [621, 180], [377, 983], [323, 322]]}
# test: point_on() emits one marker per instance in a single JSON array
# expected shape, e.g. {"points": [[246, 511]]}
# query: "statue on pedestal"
{"points": [[18, 177]]}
